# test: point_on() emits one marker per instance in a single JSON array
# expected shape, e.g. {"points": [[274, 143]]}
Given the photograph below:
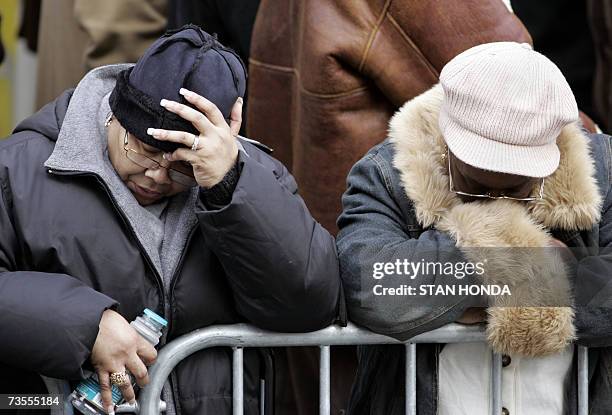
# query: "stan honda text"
{"points": [[431, 290]]}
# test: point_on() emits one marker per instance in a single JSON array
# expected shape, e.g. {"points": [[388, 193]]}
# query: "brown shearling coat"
{"points": [[326, 76]]}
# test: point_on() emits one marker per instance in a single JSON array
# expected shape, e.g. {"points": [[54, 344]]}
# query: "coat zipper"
{"points": [[158, 280], [176, 274], [172, 379]]}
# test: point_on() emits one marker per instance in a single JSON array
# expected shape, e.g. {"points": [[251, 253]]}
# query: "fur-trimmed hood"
{"points": [[537, 277], [571, 198]]}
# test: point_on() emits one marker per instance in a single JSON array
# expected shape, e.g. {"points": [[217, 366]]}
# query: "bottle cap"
{"points": [[153, 316]]}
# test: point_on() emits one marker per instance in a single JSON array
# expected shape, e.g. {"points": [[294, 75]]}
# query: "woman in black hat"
{"points": [[134, 191]]}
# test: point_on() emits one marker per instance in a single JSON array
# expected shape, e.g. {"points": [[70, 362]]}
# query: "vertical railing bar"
{"points": [[324, 381], [583, 380], [237, 382], [411, 408], [496, 380], [262, 396]]}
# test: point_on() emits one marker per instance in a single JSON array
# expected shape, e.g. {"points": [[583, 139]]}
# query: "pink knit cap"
{"points": [[504, 107]]}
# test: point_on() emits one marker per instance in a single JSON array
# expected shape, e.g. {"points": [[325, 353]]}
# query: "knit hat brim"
{"points": [[530, 161], [136, 112]]}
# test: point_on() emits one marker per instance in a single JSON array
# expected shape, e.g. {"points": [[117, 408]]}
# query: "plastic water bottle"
{"points": [[87, 398]]}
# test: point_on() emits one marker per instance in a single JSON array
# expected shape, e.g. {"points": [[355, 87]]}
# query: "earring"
{"points": [[444, 155], [109, 119]]}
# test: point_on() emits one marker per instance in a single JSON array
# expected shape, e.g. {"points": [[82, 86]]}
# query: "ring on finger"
{"points": [[120, 378], [196, 142]]}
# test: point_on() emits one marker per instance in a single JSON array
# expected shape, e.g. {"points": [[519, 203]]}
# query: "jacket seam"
{"points": [[304, 90], [6, 195], [174, 392], [334, 95], [368, 46], [271, 66], [609, 167], [415, 324], [384, 173], [295, 104], [413, 45], [9, 208], [609, 158]]}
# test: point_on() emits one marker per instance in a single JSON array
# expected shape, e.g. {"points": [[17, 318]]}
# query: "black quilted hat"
{"points": [[185, 58]]}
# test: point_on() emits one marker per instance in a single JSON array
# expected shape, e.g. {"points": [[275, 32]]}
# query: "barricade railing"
{"points": [[242, 336]]}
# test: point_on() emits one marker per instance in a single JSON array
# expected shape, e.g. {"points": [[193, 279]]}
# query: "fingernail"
{"points": [[185, 92], [163, 102], [166, 156], [111, 410], [150, 131], [240, 99]]}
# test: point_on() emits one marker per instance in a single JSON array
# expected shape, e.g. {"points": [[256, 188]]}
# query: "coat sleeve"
{"points": [[419, 37], [49, 322], [374, 230], [281, 264]]}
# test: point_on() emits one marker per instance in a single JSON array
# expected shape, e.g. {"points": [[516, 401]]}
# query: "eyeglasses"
{"points": [[540, 195], [180, 172]]}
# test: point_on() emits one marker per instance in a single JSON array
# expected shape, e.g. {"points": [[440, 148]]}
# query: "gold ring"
{"points": [[120, 378]]}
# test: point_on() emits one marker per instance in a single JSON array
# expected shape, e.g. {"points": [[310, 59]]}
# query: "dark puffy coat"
{"points": [[67, 254]]}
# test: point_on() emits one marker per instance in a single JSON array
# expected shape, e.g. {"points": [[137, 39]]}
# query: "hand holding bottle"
{"points": [[119, 347]]}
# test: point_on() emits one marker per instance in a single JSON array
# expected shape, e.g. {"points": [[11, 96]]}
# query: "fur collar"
{"points": [[571, 197], [537, 318]]}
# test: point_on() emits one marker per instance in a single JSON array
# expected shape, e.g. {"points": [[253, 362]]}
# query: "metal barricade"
{"points": [[241, 335]]}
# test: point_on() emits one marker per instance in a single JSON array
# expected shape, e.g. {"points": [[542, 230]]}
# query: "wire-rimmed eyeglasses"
{"points": [[540, 195], [181, 172]]}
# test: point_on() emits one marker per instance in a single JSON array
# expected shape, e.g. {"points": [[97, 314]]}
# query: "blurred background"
{"points": [[17, 71]]}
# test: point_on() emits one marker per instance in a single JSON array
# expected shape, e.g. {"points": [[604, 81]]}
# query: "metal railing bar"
{"points": [[496, 381], [237, 381], [583, 380], [324, 381], [240, 335], [411, 381], [262, 396]]}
